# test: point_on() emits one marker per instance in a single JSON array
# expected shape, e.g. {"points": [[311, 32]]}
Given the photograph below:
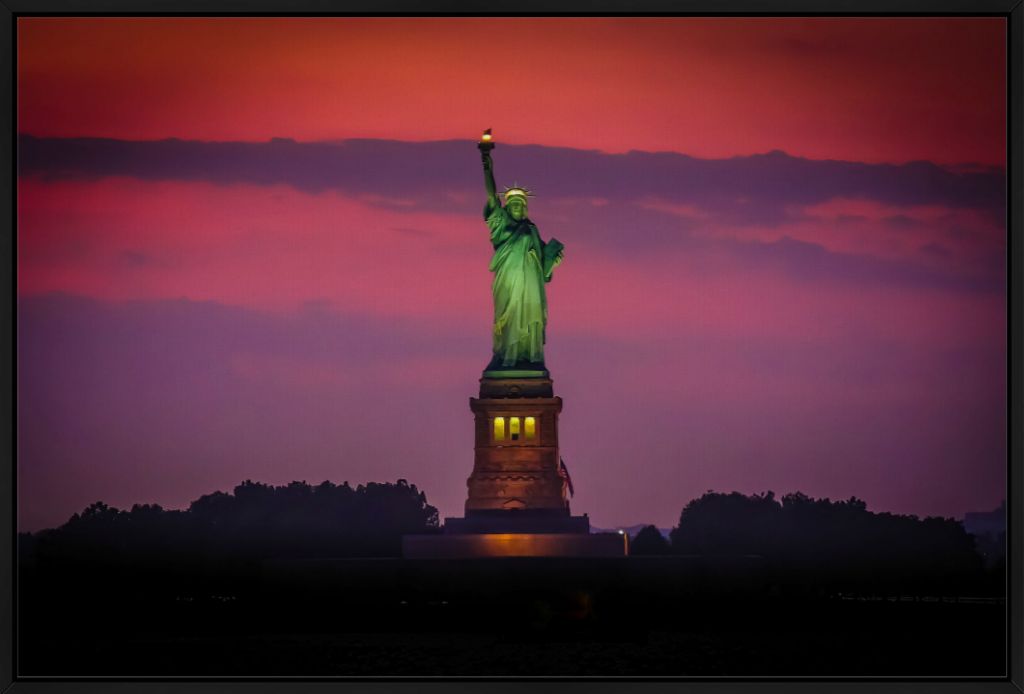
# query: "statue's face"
{"points": [[517, 208]]}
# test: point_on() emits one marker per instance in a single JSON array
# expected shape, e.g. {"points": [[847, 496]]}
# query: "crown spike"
{"points": [[517, 190]]}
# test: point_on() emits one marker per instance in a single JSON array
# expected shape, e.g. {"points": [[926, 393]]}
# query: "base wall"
{"points": [[504, 522], [514, 545]]}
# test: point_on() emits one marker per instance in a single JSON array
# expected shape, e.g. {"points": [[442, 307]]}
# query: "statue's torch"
{"points": [[486, 143]]}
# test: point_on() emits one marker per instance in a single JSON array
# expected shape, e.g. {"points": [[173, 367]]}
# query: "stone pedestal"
{"points": [[516, 464], [517, 504]]}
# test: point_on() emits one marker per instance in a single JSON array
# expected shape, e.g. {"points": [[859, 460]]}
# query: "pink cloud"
{"points": [[679, 293], [865, 227], [274, 248], [266, 247]]}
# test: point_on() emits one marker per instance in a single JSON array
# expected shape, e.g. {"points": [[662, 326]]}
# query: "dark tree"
{"points": [[255, 522], [833, 545], [649, 541], [727, 524]]}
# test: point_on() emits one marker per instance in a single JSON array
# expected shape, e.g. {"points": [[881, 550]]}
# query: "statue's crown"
{"points": [[517, 191]]}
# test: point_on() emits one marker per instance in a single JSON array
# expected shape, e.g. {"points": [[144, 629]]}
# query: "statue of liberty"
{"points": [[522, 264]]}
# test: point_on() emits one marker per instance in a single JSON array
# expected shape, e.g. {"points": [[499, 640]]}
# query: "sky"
{"points": [[254, 249]]}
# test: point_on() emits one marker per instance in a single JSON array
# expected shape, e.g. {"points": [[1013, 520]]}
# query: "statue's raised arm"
{"points": [[486, 145], [522, 263]]}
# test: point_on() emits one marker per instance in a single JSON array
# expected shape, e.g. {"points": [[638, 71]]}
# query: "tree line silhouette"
{"points": [[300, 559], [255, 522], [838, 543], [299, 520]]}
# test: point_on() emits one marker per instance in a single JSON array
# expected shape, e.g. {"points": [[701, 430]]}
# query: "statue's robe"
{"points": [[520, 270]]}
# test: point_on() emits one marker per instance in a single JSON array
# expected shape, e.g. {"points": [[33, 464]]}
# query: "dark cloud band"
{"points": [[757, 187]]}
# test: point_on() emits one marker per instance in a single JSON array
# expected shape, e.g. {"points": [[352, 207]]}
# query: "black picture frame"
{"points": [[1013, 10]]}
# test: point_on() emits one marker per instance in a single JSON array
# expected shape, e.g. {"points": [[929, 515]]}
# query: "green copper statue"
{"points": [[522, 264]]}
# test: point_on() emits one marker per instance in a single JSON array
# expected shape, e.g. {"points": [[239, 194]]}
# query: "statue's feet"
{"points": [[522, 367]]}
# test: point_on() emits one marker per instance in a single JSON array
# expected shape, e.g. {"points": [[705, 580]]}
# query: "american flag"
{"points": [[565, 471]]}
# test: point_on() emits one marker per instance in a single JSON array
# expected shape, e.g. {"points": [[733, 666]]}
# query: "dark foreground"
{"points": [[637, 616]]}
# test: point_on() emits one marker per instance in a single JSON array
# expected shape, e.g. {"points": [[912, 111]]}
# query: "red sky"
{"points": [[834, 327], [861, 89]]}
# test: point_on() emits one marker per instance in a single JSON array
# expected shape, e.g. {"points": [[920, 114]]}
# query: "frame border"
{"points": [[1013, 10]]}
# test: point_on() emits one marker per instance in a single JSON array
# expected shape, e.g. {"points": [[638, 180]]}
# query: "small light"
{"points": [[621, 532], [486, 143]]}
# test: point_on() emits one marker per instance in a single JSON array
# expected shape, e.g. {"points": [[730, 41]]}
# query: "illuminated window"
{"points": [[530, 426], [513, 428], [499, 428]]}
